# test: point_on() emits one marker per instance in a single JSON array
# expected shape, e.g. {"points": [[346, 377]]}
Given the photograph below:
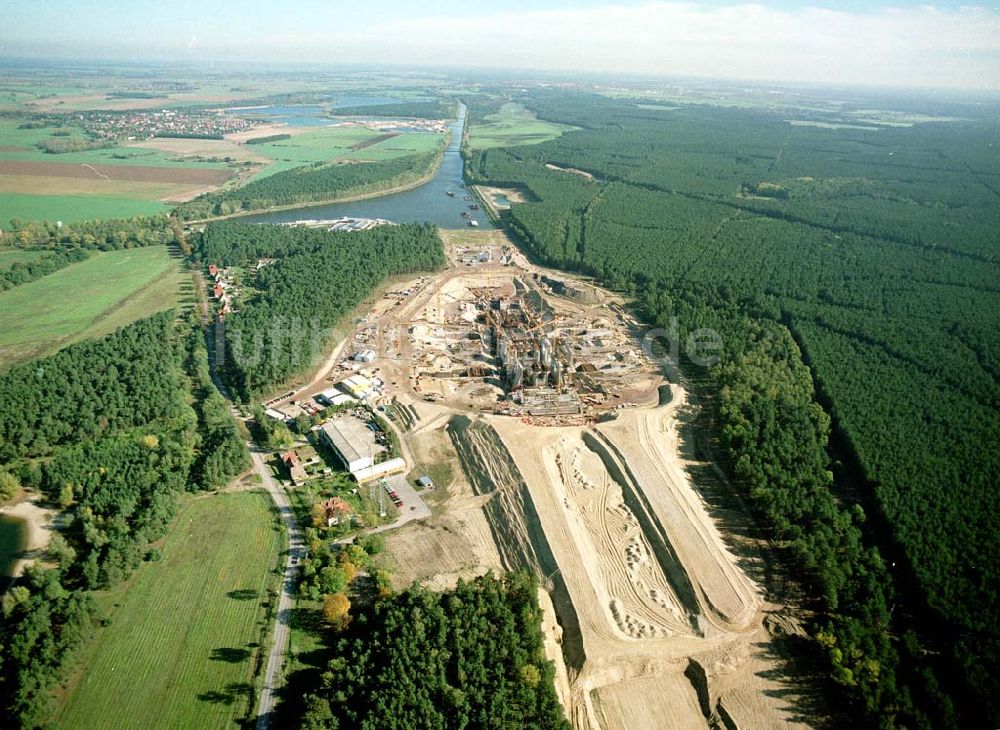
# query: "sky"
{"points": [[947, 44]]}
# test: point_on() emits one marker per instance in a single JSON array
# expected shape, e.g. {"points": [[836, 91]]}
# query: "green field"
{"points": [[183, 641], [87, 299], [70, 208], [513, 125], [333, 143], [11, 256]]}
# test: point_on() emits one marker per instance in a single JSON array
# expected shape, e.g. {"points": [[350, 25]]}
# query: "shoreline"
{"points": [[38, 521], [422, 180]]}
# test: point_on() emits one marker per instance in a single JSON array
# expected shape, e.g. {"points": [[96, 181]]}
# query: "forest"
{"points": [[111, 430], [431, 109], [309, 184], [853, 274], [318, 278], [469, 657]]}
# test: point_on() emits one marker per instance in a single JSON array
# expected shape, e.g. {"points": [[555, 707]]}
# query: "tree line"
{"points": [[111, 430], [318, 278], [309, 184], [430, 109], [881, 270]]}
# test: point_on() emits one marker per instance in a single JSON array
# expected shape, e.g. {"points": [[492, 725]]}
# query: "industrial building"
{"points": [[352, 441], [333, 397], [355, 444], [535, 359], [382, 469], [358, 386]]}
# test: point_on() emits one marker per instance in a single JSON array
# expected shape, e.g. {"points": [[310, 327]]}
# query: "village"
{"points": [[144, 125]]}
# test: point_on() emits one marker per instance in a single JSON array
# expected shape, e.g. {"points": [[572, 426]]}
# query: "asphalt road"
{"points": [[279, 638]]}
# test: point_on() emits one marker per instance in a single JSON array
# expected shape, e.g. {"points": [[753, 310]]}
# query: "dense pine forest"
{"points": [[106, 429], [853, 269], [430, 109], [318, 278], [310, 184], [470, 657]]}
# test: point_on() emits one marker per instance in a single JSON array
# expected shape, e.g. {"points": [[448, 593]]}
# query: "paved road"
{"points": [[279, 638]]}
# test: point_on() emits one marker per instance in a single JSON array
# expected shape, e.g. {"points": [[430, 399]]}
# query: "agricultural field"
{"points": [[513, 125], [148, 176], [117, 181], [87, 299], [71, 208], [183, 641], [327, 144]]}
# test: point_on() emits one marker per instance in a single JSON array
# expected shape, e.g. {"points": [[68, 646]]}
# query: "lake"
{"points": [[13, 540], [308, 115], [428, 203]]}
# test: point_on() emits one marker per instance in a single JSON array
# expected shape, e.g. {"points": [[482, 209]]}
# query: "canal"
{"points": [[428, 203]]}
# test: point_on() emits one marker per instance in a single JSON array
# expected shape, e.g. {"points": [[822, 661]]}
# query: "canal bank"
{"points": [[429, 202]]}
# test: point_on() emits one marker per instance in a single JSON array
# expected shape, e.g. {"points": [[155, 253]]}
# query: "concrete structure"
{"points": [[275, 414], [365, 356], [352, 441]]}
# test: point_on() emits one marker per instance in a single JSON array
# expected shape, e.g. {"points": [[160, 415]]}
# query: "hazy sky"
{"points": [[947, 44]]}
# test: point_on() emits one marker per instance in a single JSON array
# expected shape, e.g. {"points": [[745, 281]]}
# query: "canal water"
{"points": [[428, 203]]}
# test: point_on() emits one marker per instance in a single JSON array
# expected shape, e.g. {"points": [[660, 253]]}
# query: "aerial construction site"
{"points": [[561, 448]]}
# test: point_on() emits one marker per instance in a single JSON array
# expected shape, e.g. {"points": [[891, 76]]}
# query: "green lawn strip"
{"points": [[92, 297], [181, 647]]}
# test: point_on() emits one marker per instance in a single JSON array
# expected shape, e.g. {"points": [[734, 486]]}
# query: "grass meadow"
{"points": [[89, 299], [334, 143], [182, 648], [11, 256], [513, 125]]}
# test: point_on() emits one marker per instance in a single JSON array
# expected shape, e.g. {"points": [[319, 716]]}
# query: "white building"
{"points": [[333, 397], [365, 356], [352, 441], [377, 471], [358, 386]]}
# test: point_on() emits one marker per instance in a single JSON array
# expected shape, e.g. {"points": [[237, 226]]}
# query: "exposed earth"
{"points": [[651, 619]]}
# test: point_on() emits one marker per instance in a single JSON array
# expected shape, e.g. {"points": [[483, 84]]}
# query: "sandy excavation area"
{"points": [[649, 618], [38, 520]]}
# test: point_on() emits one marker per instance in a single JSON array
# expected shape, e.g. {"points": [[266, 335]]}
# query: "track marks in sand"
{"points": [[643, 442], [642, 603]]}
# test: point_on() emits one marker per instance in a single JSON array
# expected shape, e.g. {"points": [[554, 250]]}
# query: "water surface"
{"points": [[428, 203]]}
